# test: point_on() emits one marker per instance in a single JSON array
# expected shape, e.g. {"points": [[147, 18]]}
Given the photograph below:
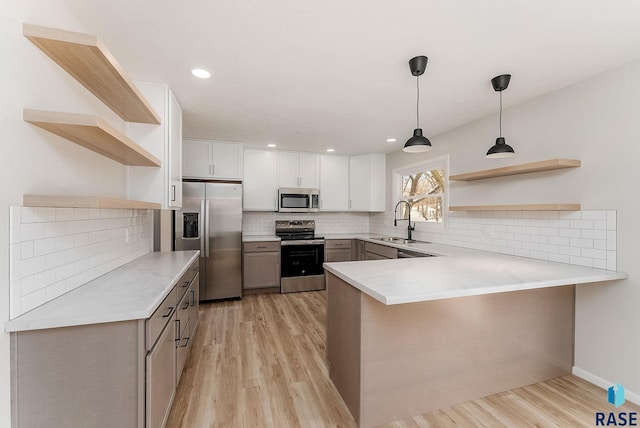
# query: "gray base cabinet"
{"points": [[379, 252], [338, 250], [117, 374], [260, 265]]}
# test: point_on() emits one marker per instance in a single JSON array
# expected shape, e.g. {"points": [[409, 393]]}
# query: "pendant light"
{"points": [[418, 143], [501, 149]]}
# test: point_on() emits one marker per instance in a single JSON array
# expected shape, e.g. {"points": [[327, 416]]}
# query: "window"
{"points": [[424, 187]]}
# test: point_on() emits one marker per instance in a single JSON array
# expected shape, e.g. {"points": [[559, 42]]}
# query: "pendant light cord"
{"points": [[500, 113], [417, 101]]}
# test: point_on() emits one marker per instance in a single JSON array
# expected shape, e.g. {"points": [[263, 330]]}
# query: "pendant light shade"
{"points": [[418, 143], [500, 149]]}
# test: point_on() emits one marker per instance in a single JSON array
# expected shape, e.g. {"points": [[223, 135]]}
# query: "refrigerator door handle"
{"points": [[201, 228], [207, 231]]}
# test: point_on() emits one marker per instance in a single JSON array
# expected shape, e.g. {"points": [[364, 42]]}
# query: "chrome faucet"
{"points": [[410, 228]]}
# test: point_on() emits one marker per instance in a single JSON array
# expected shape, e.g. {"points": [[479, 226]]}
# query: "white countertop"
{"points": [[457, 272], [259, 238], [131, 292]]}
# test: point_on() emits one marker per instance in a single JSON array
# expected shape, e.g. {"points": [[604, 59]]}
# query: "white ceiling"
{"points": [[308, 75]]}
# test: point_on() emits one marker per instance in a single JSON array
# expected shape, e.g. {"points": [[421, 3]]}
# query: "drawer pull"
{"points": [[185, 284], [193, 297], [186, 305], [261, 246], [178, 330], [186, 342], [169, 310]]}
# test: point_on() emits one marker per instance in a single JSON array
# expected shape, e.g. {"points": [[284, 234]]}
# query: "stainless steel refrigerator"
{"points": [[210, 220]]}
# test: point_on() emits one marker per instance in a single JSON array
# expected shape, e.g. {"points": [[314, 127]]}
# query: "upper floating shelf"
{"points": [[526, 207], [85, 58], [94, 133], [84, 202], [524, 168]]}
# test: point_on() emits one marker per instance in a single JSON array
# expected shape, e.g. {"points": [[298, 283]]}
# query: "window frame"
{"points": [[434, 163]]}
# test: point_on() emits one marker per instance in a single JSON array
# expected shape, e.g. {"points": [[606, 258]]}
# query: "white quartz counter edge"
{"points": [[459, 272], [131, 292], [260, 238]]}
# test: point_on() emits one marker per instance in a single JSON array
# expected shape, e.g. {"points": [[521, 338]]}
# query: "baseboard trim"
{"points": [[603, 383]]}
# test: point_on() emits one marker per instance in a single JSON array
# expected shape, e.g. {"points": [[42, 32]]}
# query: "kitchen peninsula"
{"points": [[407, 336]]}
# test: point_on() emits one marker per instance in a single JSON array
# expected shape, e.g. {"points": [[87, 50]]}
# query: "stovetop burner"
{"points": [[296, 230]]}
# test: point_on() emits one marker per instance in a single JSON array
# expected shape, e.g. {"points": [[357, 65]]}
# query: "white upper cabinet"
{"points": [[298, 170], [212, 159], [334, 183], [367, 186], [161, 185], [260, 184]]}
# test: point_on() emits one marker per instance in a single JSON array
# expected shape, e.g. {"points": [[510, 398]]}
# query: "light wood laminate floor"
{"points": [[260, 362]]}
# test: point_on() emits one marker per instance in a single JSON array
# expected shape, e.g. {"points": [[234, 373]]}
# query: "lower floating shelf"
{"points": [[528, 207], [85, 202]]}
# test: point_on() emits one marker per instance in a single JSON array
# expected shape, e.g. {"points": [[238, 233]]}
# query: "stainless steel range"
{"points": [[302, 256]]}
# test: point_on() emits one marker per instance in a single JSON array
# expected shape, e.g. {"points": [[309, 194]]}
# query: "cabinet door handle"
{"points": [[185, 284], [193, 297], [178, 330], [169, 310], [213, 170], [173, 193], [186, 305], [186, 342], [349, 203]]}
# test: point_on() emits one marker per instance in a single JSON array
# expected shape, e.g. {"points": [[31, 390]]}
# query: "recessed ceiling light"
{"points": [[331, 150], [271, 145], [391, 140], [201, 73]]}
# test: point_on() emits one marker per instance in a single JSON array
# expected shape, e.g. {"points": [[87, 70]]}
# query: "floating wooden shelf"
{"points": [[85, 202], [524, 168], [526, 207], [94, 133], [85, 58]]}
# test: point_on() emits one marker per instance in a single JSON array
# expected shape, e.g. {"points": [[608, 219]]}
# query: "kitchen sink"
{"points": [[395, 240]]}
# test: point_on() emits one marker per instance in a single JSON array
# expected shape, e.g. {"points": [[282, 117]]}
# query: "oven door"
{"points": [[301, 259]]}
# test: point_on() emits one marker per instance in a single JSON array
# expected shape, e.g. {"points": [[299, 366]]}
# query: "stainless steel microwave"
{"points": [[292, 200]]}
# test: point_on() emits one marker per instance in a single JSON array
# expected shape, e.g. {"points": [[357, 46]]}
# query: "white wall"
{"points": [[35, 161], [595, 121]]}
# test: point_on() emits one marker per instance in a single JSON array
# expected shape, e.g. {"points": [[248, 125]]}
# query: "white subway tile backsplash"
{"points": [[64, 214], [26, 214], [600, 224], [594, 254], [31, 231], [599, 244], [581, 243], [549, 231], [611, 220], [569, 233], [594, 215], [611, 240], [570, 251], [59, 249], [32, 300], [581, 224], [558, 240], [44, 214], [579, 237], [581, 261], [593, 234]]}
